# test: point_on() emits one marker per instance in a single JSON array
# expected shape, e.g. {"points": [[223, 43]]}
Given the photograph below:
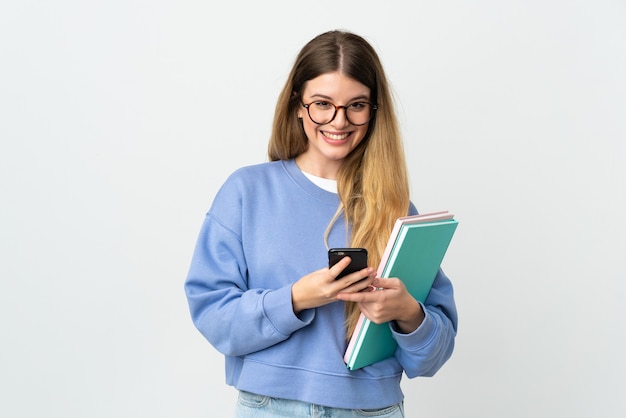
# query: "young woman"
{"points": [[259, 288]]}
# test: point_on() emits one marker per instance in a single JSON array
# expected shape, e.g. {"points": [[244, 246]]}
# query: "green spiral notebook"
{"points": [[414, 253]]}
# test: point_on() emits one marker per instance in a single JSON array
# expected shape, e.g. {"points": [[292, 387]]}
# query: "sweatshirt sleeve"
{"points": [[234, 319], [425, 350]]}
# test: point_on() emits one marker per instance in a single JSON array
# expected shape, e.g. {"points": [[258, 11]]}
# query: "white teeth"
{"points": [[336, 137]]}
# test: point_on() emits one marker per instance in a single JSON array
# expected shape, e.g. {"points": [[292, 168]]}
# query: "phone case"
{"points": [[358, 258]]}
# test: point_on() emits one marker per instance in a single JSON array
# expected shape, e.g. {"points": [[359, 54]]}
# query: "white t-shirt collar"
{"points": [[326, 184]]}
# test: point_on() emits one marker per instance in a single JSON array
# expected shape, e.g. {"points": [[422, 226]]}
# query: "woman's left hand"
{"points": [[388, 301]]}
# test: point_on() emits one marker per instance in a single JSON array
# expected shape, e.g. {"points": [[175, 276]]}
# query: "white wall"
{"points": [[120, 119]]}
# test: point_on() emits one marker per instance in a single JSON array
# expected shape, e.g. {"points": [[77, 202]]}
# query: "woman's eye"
{"points": [[322, 105], [358, 106]]}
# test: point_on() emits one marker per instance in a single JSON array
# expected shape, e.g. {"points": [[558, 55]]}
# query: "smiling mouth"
{"points": [[336, 137]]}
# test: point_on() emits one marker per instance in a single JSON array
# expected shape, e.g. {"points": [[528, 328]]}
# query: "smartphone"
{"points": [[358, 258]]}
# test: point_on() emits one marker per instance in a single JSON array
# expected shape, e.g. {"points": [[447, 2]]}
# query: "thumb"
{"points": [[378, 283]]}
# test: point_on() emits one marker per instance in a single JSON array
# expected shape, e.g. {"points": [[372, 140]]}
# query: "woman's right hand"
{"points": [[321, 287]]}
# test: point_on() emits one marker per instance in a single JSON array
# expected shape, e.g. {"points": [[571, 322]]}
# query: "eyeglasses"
{"points": [[357, 113]]}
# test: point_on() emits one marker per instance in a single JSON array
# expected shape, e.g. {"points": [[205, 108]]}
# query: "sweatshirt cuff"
{"points": [[418, 338], [278, 309]]}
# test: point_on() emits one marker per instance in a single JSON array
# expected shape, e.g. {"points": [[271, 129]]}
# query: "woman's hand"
{"points": [[321, 287], [390, 301]]}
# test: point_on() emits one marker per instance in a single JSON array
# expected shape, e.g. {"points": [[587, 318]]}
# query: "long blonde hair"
{"points": [[372, 183]]}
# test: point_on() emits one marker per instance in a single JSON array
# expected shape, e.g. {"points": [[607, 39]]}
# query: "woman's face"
{"points": [[329, 144]]}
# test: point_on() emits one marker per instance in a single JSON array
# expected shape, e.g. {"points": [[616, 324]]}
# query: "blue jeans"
{"points": [[250, 405]]}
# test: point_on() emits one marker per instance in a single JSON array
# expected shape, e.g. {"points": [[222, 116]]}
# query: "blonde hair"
{"points": [[372, 184]]}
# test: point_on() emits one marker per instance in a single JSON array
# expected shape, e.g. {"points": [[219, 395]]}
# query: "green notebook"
{"points": [[414, 254]]}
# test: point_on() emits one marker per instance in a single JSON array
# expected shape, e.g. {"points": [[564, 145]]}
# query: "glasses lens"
{"points": [[321, 112], [359, 113]]}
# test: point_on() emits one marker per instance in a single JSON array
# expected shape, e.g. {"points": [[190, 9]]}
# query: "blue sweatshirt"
{"points": [[264, 231]]}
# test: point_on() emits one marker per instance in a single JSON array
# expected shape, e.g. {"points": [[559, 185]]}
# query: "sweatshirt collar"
{"points": [[307, 185]]}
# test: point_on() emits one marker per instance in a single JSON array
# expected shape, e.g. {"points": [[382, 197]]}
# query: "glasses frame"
{"points": [[373, 109]]}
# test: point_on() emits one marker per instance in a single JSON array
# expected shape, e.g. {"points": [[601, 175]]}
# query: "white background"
{"points": [[120, 119]]}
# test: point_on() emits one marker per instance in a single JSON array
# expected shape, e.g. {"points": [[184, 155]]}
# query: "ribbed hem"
{"points": [[337, 391]]}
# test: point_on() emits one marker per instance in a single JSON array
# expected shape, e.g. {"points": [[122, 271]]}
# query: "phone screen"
{"points": [[358, 258]]}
